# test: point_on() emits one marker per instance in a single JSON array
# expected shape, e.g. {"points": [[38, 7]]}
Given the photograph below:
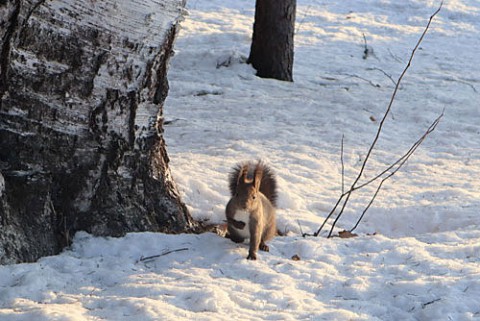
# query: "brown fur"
{"points": [[255, 195]]}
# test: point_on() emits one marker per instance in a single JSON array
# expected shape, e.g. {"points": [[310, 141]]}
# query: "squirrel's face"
{"points": [[247, 196]]}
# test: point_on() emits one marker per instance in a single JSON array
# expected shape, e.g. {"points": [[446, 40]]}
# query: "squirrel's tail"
{"points": [[268, 184]]}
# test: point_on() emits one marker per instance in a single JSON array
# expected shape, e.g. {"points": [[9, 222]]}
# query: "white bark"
{"points": [[83, 84]]}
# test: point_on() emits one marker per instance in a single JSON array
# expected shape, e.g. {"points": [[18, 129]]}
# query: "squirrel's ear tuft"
{"points": [[242, 177], [257, 176], [268, 184], [237, 175]]}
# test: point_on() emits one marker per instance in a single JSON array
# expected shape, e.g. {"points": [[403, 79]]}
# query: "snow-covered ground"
{"points": [[417, 256]]}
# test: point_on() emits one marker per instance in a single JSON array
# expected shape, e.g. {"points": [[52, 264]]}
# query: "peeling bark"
{"points": [[81, 146], [8, 21]]}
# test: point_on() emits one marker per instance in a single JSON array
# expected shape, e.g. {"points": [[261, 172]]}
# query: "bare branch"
{"points": [[407, 154], [402, 160], [380, 127], [330, 214], [369, 204], [399, 162]]}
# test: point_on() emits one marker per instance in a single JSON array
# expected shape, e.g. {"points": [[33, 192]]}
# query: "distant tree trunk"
{"points": [[82, 86], [271, 53]]}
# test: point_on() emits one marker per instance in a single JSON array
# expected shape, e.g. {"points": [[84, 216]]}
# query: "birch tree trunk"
{"points": [[82, 86]]}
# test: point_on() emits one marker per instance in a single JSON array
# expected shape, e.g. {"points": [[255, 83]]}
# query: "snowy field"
{"points": [[417, 256]]}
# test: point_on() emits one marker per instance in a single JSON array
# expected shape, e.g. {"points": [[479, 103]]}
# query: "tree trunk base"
{"points": [[271, 53], [81, 147]]}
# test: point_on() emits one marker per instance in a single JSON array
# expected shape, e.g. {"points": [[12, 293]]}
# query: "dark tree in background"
{"points": [[271, 53], [82, 86]]}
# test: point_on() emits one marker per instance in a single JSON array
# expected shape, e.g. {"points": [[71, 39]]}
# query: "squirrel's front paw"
{"points": [[237, 224], [252, 256], [264, 247]]}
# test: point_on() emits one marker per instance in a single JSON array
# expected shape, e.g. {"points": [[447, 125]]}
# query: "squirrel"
{"points": [[251, 210]]}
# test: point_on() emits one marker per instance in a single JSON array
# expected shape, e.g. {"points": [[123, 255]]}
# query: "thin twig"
{"points": [[380, 127], [343, 166], [369, 204], [377, 136], [142, 259], [328, 216], [382, 71], [402, 160], [364, 79], [424, 305], [365, 51], [299, 24], [407, 154], [394, 56], [300, 226], [462, 82]]}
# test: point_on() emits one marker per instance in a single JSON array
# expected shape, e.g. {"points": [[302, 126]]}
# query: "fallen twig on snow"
{"points": [[395, 166], [143, 259], [382, 71], [364, 79], [424, 305]]}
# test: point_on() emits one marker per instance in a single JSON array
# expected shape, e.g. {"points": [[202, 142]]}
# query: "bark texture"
{"points": [[82, 86], [271, 53]]}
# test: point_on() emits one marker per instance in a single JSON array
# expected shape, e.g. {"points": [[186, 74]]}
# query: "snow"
{"points": [[417, 256]]}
